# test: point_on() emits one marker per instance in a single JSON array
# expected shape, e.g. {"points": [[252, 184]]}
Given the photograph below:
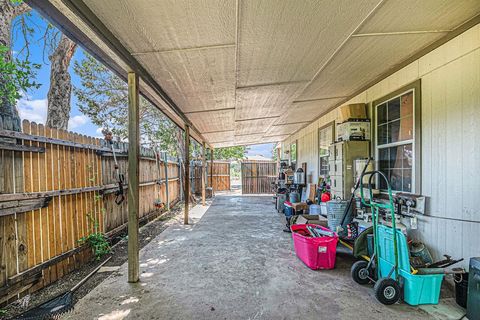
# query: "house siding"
{"points": [[450, 142]]}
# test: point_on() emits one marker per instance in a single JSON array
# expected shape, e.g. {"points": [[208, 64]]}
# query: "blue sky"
{"points": [[33, 106]]}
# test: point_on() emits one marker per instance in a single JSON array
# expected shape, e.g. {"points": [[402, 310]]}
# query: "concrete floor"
{"points": [[234, 262]]}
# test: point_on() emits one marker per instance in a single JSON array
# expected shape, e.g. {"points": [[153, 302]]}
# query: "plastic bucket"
{"points": [[315, 209], [288, 210], [294, 197], [316, 253], [461, 289], [281, 202], [335, 213]]}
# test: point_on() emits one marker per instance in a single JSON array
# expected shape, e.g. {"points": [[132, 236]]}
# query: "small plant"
{"points": [[99, 243], [3, 312]]}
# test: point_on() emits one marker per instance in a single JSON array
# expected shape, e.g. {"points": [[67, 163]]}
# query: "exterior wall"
{"points": [[450, 157]]}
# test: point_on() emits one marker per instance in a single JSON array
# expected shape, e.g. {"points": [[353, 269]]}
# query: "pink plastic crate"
{"points": [[316, 253]]}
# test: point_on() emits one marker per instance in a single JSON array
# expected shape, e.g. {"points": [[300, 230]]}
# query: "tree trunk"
{"points": [[60, 91], [9, 118]]}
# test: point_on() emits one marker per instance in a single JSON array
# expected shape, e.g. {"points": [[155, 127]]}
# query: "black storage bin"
{"points": [[461, 289]]}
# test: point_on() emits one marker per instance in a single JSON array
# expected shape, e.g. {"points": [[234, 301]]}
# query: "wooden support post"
{"points": [[165, 163], [211, 170], [133, 178], [187, 173], [204, 164]]}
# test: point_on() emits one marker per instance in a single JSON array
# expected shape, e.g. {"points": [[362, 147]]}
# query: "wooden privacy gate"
{"points": [[257, 176], [220, 175], [57, 187]]}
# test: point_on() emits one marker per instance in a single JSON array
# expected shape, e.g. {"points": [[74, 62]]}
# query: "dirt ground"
{"points": [[119, 256]]}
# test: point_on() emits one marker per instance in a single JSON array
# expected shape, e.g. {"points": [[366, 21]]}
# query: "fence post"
{"points": [[133, 177], [187, 173]]}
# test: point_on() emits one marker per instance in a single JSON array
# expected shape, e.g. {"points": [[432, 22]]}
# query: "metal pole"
{"points": [[187, 173], [133, 179]]}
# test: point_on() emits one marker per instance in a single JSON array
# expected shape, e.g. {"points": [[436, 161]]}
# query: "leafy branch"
{"points": [[15, 76]]}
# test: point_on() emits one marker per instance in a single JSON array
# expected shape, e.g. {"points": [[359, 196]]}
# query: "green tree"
{"points": [[15, 74], [230, 153], [103, 97]]}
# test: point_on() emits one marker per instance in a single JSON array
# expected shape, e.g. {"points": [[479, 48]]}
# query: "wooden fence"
{"points": [[257, 176], [220, 175], [57, 187]]}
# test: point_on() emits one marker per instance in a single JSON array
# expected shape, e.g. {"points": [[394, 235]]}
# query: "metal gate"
{"points": [[258, 176]]}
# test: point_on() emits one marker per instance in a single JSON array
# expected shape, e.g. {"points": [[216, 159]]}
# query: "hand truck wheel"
{"points": [[360, 272], [387, 291]]}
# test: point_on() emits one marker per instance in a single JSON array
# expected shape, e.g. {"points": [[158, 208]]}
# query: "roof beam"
{"points": [[209, 110], [397, 33], [220, 46]]}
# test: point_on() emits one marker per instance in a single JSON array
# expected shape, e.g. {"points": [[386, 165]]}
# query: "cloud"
{"points": [[34, 110], [77, 121]]}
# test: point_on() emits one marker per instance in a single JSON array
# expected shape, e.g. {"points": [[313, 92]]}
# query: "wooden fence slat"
{"points": [[29, 162], [71, 172]]}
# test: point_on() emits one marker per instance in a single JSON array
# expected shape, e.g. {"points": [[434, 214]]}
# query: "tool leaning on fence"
{"points": [[120, 177]]}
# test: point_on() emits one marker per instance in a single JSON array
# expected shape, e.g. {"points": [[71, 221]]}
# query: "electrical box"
{"points": [[353, 130], [341, 166], [473, 302]]}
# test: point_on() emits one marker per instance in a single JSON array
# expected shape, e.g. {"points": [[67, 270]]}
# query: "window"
{"points": [[325, 139], [397, 139], [293, 153]]}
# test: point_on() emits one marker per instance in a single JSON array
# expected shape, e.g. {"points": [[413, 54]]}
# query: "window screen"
{"points": [[395, 141], [325, 139]]}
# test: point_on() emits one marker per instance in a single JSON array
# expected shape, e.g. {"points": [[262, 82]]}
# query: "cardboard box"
{"points": [[299, 206], [352, 111], [311, 219], [353, 130]]}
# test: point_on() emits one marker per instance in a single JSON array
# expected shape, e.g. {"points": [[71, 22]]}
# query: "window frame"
{"points": [[326, 126], [414, 87], [296, 153]]}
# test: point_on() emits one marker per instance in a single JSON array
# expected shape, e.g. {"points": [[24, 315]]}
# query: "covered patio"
{"points": [[234, 73], [234, 262]]}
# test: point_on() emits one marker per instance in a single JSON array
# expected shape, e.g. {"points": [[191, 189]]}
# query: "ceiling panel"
{"points": [[299, 111], [265, 101], [425, 15], [288, 40], [282, 51], [253, 126], [283, 129], [362, 60], [213, 121], [219, 136], [274, 138], [223, 144], [146, 25], [248, 139], [196, 80]]}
